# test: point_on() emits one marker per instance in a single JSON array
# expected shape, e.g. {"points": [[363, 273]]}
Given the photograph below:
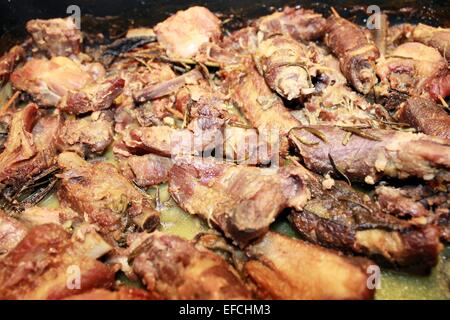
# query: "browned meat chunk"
{"points": [[396, 201], [370, 154], [262, 108], [425, 116], [30, 147], [39, 267], [123, 293], [283, 63], [340, 217], [9, 61], [93, 97], [290, 269], [356, 53], [146, 170], [87, 136], [59, 37], [414, 69], [241, 201], [103, 196], [183, 33], [47, 81], [167, 142], [438, 38], [35, 216], [12, 232], [418, 204], [300, 24], [173, 268]]}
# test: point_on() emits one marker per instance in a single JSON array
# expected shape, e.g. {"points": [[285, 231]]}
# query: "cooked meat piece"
{"points": [[87, 136], [147, 170], [30, 147], [370, 154], [247, 146], [168, 142], [337, 105], [59, 37], [396, 201], [12, 231], [398, 34], [300, 24], [93, 97], [123, 293], [47, 81], [203, 133], [438, 38], [241, 201], [36, 216], [183, 33], [167, 87], [340, 217], [242, 41], [290, 269], [43, 264], [173, 268], [262, 108], [425, 116], [414, 69], [283, 63], [138, 77], [418, 204], [99, 193], [8, 62], [356, 53]]}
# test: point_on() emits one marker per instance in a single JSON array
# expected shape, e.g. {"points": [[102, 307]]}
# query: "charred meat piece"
{"points": [[47, 81], [438, 38], [87, 136], [41, 265], [12, 231], [262, 108], [241, 201], [173, 268], [122, 293], [340, 217], [414, 69], [183, 33], [283, 63], [425, 116], [300, 24], [147, 170], [93, 97], [370, 154], [30, 147], [287, 268], [103, 196], [59, 37], [356, 53], [9, 61]]}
